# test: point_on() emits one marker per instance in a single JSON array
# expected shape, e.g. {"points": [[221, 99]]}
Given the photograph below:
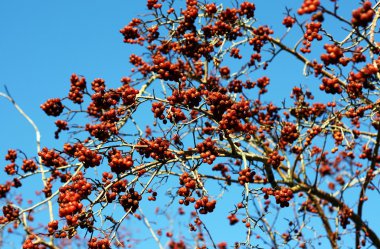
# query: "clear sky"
{"points": [[43, 42]]}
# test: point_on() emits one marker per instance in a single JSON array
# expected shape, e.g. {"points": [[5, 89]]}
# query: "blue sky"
{"points": [[43, 42]]}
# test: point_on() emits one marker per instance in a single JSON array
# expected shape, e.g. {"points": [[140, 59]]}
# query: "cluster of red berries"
{"points": [[223, 169], [289, 134], [29, 165], [261, 36], [11, 156], [4, 189], [128, 94], [235, 86], [165, 69], [190, 97], [218, 103], [234, 53], [312, 32], [232, 119], [88, 157], [78, 85], [10, 169], [204, 205], [94, 243], [130, 201], [98, 85], [247, 9], [62, 126], [102, 131], [224, 72], [158, 109], [52, 107], [10, 214], [358, 81], [363, 15], [158, 148], [70, 196], [207, 150], [175, 115], [233, 219], [288, 21], [52, 226], [30, 243], [330, 85], [311, 133], [51, 158], [118, 162], [309, 6], [246, 176], [177, 245], [210, 9], [345, 214], [262, 83], [334, 55], [131, 33], [188, 186], [275, 159], [282, 195]]}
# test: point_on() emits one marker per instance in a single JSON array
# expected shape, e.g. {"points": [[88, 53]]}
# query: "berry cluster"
{"points": [[204, 205], [4, 189], [188, 185], [62, 126], [235, 53], [288, 21], [207, 150], [345, 214], [29, 165], [224, 72], [128, 94], [175, 115], [190, 97], [158, 148], [94, 243], [246, 176], [330, 86], [118, 162], [78, 86], [309, 6], [11, 156], [289, 134], [235, 86], [51, 158], [334, 55], [52, 107], [52, 226], [358, 81], [88, 157], [363, 15], [10, 169], [158, 109], [131, 33], [165, 69], [102, 131], [261, 36], [282, 195], [218, 103], [10, 214], [275, 159], [70, 196], [233, 219], [247, 9], [130, 201], [312, 33]]}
